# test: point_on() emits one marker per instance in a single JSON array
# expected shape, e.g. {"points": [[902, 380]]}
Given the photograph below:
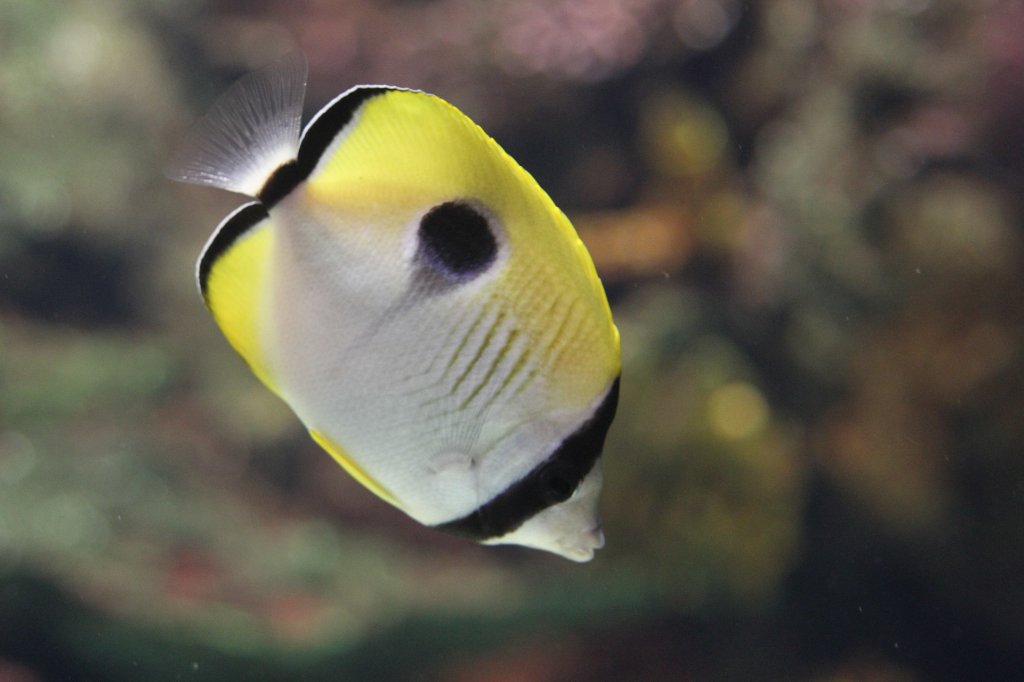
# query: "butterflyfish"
{"points": [[419, 302]]}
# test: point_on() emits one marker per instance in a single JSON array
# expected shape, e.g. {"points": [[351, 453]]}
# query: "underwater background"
{"points": [[808, 218]]}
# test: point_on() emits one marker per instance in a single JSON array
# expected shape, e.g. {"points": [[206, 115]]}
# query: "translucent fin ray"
{"points": [[249, 132]]}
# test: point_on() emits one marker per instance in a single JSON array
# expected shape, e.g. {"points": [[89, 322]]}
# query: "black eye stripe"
{"points": [[571, 462], [558, 482]]}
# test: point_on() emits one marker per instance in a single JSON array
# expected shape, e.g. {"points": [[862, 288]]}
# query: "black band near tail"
{"points": [[552, 481], [317, 137], [228, 232]]}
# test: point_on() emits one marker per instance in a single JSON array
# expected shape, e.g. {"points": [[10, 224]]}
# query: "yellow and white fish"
{"points": [[418, 300]]}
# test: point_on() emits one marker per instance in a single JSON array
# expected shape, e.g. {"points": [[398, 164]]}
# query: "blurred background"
{"points": [[807, 215]]}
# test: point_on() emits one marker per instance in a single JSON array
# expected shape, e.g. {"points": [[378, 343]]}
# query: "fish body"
{"points": [[417, 300]]}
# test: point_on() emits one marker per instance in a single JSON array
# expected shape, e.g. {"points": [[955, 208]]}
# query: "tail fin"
{"points": [[252, 129]]}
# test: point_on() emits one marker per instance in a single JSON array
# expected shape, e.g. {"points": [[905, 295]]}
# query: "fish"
{"points": [[418, 301]]}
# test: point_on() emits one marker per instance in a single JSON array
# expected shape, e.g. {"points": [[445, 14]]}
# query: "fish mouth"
{"points": [[581, 547]]}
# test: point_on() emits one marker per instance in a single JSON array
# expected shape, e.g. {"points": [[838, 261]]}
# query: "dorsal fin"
{"points": [[250, 131]]}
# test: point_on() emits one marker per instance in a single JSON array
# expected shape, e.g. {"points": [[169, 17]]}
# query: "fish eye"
{"points": [[456, 241], [556, 484]]}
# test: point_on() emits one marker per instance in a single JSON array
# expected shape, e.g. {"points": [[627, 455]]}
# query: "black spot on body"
{"points": [[456, 243]]}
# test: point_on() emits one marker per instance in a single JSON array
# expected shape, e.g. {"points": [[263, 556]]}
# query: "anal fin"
{"points": [[354, 470], [232, 274]]}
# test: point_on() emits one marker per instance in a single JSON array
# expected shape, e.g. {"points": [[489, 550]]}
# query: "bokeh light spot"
{"points": [[737, 410], [685, 136], [702, 24]]}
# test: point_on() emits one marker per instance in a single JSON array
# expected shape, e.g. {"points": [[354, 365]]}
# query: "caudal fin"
{"points": [[252, 129]]}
